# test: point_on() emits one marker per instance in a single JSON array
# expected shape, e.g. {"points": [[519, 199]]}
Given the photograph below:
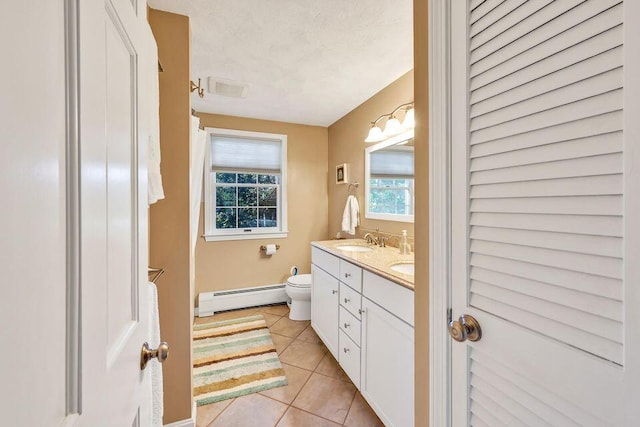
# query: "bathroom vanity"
{"points": [[362, 309]]}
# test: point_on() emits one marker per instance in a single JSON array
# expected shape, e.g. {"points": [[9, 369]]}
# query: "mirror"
{"points": [[389, 179]]}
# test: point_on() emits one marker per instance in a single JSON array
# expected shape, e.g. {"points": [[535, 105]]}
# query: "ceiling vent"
{"points": [[229, 88]]}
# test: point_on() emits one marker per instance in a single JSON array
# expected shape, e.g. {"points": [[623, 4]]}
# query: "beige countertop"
{"points": [[378, 261]]}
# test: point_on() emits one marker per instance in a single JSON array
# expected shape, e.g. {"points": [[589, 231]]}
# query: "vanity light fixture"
{"points": [[392, 126]]}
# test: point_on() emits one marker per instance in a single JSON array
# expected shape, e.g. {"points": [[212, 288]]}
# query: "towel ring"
{"points": [[353, 186]]}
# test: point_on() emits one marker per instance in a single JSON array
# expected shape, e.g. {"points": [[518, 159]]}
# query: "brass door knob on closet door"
{"points": [[147, 353], [465, 328]]}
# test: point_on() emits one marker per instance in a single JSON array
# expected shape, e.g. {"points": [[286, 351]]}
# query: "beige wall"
{"points": [[421, 85], [346, 145], [169, 218], [240, 263]]}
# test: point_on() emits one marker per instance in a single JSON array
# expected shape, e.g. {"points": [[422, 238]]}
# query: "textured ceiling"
{"points": [[308, 61]]}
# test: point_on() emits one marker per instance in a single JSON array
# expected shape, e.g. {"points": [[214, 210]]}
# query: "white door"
{"points": [[74, 251], [546, 212]]}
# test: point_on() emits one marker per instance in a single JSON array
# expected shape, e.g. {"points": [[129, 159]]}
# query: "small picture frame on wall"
{"points": [[342, 172]]}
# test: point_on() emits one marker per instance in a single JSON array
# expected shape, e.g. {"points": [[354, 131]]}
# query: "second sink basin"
{"points": [[354, 248], [404, 268]]}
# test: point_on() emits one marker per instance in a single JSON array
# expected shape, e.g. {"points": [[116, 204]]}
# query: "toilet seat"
{"points": [[300, 281]]}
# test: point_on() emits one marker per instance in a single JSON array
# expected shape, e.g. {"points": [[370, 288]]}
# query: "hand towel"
{"points": [[155, 191], [157, 396], [351, 215]]}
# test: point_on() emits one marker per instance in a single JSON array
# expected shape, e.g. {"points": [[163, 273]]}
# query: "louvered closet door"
{"points": [[545, 211]]}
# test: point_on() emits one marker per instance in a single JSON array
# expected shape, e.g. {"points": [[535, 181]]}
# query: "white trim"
{"points": [[281, 232], [367, 178], [248, 236], [439, 212], [188, 422]]}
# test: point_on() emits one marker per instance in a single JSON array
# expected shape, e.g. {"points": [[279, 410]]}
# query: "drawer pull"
{"points": [[346, 300], [346, 325], [360, 311], [347, 275], [333, 291], [346, 350]]}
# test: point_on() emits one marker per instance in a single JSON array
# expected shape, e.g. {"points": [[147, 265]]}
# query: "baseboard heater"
{"points": [[213, 302]]}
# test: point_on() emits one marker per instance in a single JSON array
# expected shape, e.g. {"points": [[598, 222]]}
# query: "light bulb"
{"points": [[409, 120], [375, 135], [393, 127]]}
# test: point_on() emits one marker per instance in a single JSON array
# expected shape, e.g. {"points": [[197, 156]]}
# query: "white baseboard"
{"points": [[213, 302], [189, 422]]}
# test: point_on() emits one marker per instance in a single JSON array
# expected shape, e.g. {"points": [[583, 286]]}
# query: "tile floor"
{"points": [[319, 393]]}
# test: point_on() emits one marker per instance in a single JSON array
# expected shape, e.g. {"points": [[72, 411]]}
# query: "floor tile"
{"points": [[297, 418], [329, 366], [326, 397], [309, 335], [206, 413], [297, 377], [361, 414], [303, 354], [270, 319], [253, 410], [279, 310], [288, 327], [281, 342]]}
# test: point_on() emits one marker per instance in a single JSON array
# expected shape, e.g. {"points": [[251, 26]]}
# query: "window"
{"points": [[392, 196], [390, 182], [245, 185]]}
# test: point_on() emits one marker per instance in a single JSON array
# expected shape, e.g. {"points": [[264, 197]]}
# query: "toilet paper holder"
{"points": [[264, 247]]}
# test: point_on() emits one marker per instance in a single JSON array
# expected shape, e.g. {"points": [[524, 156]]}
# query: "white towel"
{"points": [[198, 149], [157, 396], [351, 215], [155, 191]]}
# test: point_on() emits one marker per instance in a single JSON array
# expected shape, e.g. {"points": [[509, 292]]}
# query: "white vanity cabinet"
{"points": [[324, 307], [387, 365], [366, 321]]}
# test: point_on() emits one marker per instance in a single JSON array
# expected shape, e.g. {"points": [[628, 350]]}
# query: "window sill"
{"points": [[255, 236]]}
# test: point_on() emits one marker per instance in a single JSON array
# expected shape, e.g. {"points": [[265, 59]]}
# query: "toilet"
{"points": [[298, 289]]}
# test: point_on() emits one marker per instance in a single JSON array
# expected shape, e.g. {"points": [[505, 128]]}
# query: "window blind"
{"points": [[238, 154], [397, 163]]}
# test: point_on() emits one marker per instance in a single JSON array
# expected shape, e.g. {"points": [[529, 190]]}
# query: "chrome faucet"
{"points": [[376, 240], [370, 239]]}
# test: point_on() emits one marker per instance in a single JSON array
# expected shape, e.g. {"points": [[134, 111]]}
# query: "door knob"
{"points": [[146, 354], [465, 328]]}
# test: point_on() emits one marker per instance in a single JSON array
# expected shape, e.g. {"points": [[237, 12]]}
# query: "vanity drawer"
{"points": [[351, 300], [350, 325], [388, 295], [349, 358], [326, 261], [351, 275]]}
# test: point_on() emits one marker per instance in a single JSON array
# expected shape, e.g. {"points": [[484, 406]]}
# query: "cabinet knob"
{"points": [[346, 350], [360, 311], [346, 325], [346, 300], [333, 291], [347, 275]]}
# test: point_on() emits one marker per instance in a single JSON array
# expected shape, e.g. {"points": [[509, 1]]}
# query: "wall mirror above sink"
{"points": [[389, 179]]}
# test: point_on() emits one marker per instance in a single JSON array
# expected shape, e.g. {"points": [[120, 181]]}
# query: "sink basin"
{"points": [[354, 248], [404, 268]]}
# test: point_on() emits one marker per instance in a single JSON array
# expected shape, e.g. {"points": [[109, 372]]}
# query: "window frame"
{"points": [[367, 181], [211, 234], [410, 188]]}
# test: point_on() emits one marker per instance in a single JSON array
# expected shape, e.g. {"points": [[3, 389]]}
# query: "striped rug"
{"points": [[232, 358]]}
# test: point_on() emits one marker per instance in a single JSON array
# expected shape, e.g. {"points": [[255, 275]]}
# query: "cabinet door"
{"points": [[386, 378], [324, 308]]}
